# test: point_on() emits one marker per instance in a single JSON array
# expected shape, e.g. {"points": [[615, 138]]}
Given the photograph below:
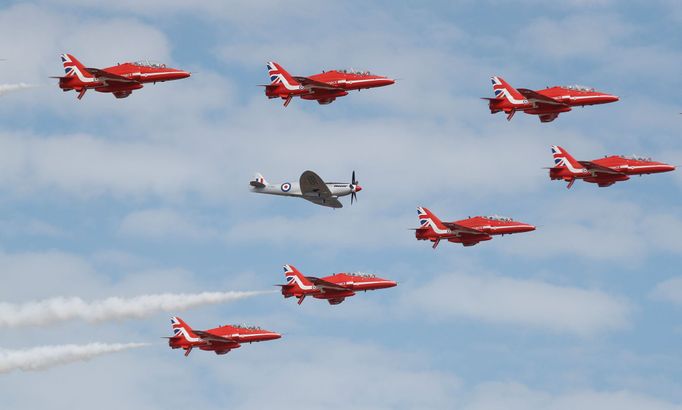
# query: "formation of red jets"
{"points": [[122, 79]]}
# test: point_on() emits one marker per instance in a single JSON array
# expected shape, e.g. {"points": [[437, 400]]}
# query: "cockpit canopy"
{"points": [[498, 218], [246, 327], [147, 63], [362, 275], [636, 157], [354, 71], [576, 87]]}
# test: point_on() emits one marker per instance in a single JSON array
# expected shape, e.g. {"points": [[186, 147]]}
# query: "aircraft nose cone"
{"points": [[274, 336], [529, 228], [183, 74], [358, 188], [612, 98], [390, 283]]}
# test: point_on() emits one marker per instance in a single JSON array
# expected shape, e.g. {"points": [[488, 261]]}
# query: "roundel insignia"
{"points": [[286, 187]]}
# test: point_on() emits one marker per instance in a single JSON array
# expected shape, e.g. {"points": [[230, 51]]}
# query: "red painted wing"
{"points": [[210, 337], [315, 85], [102, 74], [599, 169], [539, 98], [325, 285], [456, 228]]}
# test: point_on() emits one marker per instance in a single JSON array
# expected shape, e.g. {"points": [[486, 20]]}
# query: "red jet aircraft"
{"points": [[220, 340], [324, 87], [120, 79], [547, 103], [603, 171], [469, 231], [334, 288]]}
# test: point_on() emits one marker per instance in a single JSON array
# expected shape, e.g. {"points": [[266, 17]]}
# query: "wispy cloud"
{"points": [[669, 290], [43, 357], [524, 302]]}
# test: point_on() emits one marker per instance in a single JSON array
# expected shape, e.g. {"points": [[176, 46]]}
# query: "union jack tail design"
{"points": [[278, 75], [74, 68], [181, 330], [427, 220], [562, 159], [504, 91], [296, 279]]}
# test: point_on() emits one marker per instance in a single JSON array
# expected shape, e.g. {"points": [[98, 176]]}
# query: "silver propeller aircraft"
{"points": [[311, 188]]}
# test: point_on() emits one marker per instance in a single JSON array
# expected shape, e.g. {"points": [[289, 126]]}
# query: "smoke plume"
{"points": [[8, 88], [115, 308], [39, 358]]}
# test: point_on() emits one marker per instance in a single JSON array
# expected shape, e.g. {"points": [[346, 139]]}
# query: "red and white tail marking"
{"points": [[278, 75], [183, 331], [74, 68], [504, 91], [562, 159], [428, 220], [296, 279]]}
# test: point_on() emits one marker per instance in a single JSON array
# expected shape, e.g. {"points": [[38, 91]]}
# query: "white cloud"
{"points": [[521, 302], [590, 35], [516, 396], [602, 225], [335, 374], [163, 224], [669, 290]]}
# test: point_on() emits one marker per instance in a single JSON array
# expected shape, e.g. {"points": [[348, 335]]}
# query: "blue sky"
{"points": [[104, 197]]}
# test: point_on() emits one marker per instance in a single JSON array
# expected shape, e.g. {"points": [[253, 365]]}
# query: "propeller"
{"points": [[354, 187]]}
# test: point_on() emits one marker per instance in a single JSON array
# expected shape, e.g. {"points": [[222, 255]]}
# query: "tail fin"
{"points": [[504, 91], [296, 279], [74, 68], [562, 159], [181, 330], [260, 179], [429, 221], [278, 75]]}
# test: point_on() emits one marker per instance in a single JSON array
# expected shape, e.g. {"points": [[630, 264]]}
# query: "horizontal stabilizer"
{"points": [[257, 184]]}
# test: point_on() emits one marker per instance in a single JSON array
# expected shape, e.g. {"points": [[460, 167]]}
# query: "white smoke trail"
{"points": [[39, 358], [8, 88], [61, 308]]}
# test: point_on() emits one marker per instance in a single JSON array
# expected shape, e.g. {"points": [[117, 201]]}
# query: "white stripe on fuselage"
{"points": [[435, 228], [567, 164], [81, 77], [287, 85], [300, 284], [188, 337]]}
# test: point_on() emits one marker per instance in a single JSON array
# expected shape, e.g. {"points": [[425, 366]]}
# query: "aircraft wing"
{"points": [[459, 229], [325, 285], [537, 98], [599, 169], [313, 185], [211, 338], [313, 85], [330, 202], [107, 76]]}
